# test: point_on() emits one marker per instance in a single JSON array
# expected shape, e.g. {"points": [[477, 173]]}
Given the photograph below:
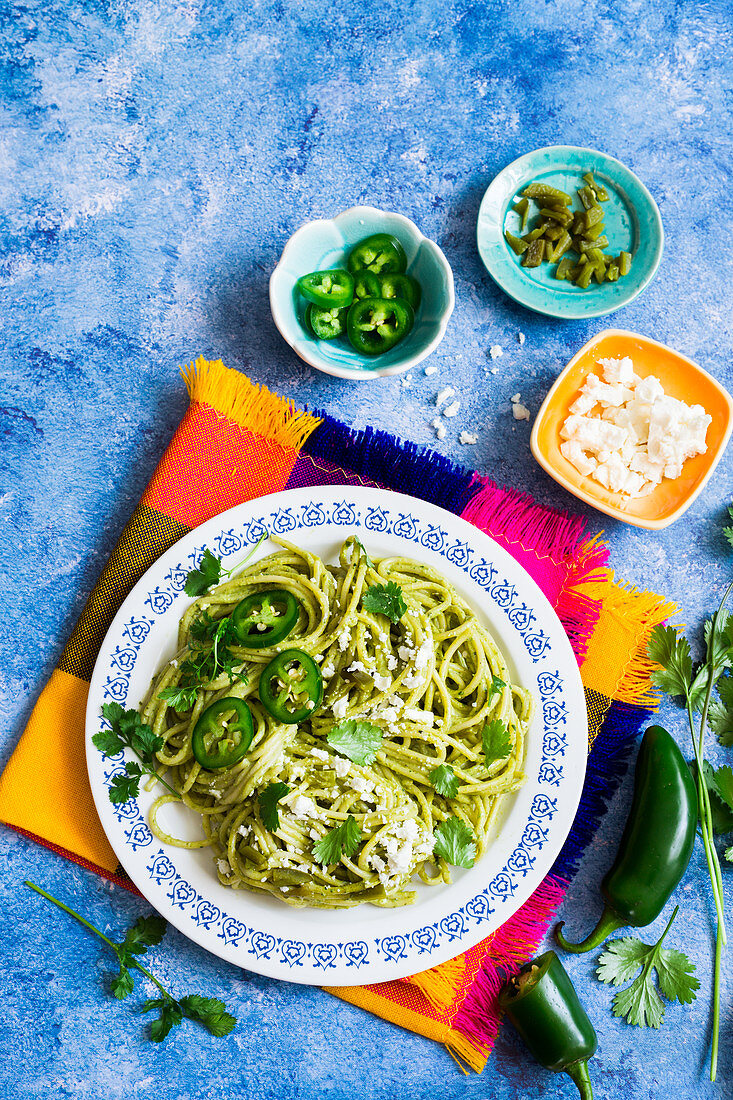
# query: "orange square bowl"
{"points": [[680, 378]]}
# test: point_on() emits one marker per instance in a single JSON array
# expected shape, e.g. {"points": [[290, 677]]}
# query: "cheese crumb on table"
{"points": [[495, 351], [627, 434], [444, 395], [521, 338], [520, 411], [439, 427], [452, 409], [430, 370], [468, 438]]}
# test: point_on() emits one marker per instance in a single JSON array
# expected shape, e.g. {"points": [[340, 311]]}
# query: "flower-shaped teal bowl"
{"points": [[322, 244]]}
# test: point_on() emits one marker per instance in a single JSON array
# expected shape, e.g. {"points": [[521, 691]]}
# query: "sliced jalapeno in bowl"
{"points": [[223, 733], [324, 323], [265, 618], [379, 253], [375, 325], [397, 285], [291, 686], [334, 288], [367, 285]]}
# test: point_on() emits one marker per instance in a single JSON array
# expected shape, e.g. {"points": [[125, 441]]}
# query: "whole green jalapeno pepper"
{"points": [[541, 1002], [219, 741], [656, 844]]}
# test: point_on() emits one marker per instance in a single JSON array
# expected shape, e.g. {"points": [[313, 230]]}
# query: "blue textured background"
{"points": [[155, 158]]}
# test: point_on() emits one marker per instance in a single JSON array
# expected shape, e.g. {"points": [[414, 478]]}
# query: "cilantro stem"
{"points": [[706, 822], [157, 776], [92, 928], [234, 568]]}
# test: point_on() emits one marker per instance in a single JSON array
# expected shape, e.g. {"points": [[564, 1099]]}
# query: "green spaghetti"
{"points": [[332, 756]]}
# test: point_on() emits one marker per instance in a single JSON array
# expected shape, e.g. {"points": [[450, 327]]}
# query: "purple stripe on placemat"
{"points": [[314, 470]]}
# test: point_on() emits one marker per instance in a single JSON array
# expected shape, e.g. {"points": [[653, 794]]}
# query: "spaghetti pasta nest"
{"points": [[431, 683]]}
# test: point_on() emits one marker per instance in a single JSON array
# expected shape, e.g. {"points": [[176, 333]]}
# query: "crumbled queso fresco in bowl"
{"points": [[628, 434]]}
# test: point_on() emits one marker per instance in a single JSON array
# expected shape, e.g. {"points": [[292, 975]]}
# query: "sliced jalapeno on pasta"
{"points": [[291, 686], [264, 618], [223, 733]]}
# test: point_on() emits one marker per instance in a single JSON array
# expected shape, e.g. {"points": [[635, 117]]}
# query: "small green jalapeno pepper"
{"points": [[264, 618], [291, 686], [333, 288], [397, 285], [379, 253], [656, 844], [366, 285], [218, 742], [375, 325], [324, 323], [542, 1004]]}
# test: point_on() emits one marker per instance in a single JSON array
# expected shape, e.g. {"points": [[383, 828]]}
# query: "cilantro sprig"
{"points": [[444, 780], [148, 932], [640, 1003], [209, 572], [728, 531], [678, 677], [496, 741], [385, 599], [128, 731], [455, 842], [268, 801], [360, 741], [343, 840]]}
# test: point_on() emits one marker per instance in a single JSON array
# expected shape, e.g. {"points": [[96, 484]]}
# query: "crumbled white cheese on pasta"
{"points": [[340, 707], [320, 754], [224, 866], [304, 807], [341, 766]]}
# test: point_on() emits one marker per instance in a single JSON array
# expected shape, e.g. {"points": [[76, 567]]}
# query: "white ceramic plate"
{"points": [[365, 944]]}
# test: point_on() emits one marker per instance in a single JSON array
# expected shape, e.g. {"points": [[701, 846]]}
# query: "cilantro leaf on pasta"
{"points": [[496, 741], [203, 577], [445, 780], [385, 599], [360, 741], [455, 842], [341, 841], [268, 800]]}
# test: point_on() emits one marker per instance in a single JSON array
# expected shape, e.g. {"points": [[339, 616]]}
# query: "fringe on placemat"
{"points": [[252, 406], [441, 984], [642, 611], [478, 1018], [516, 518], [402, 466], [476, 1023]]}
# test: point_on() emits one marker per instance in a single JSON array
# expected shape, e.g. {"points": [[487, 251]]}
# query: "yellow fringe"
{"points": [[641, 612], [441, 984], [251, 406], [462, 1049]]}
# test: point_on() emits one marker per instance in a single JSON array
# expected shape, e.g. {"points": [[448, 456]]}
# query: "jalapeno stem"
{"points": [[608, 923], [579, 1074]]}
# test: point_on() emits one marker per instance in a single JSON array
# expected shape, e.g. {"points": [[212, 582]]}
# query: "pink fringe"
{"points": [[512, 944], [515, 517]]}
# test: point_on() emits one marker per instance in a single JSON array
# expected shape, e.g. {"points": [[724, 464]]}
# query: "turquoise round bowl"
{"points": [[631, 217], [322, 244]]}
